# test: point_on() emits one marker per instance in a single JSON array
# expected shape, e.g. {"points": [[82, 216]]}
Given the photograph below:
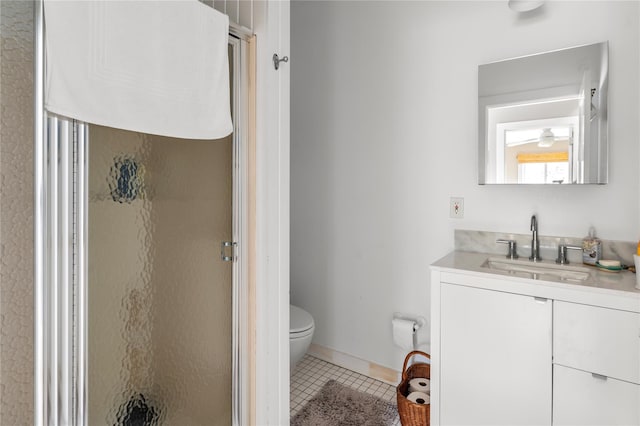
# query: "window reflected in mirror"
{"points": [[531, 147]]}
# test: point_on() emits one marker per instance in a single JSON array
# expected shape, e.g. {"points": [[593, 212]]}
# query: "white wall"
{"points": [[384, 131]]}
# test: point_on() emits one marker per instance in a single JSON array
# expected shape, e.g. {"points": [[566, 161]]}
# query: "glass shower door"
{"points": [[138, 319], [159, 294]]}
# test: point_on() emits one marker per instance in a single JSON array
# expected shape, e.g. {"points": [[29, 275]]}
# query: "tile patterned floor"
{"points": [[312, 373]]}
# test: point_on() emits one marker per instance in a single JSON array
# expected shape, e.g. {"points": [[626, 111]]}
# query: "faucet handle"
{"points": [[562, 253], [513, 254]]}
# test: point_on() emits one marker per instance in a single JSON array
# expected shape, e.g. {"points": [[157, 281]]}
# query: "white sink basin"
{"points": [[537, 270]]}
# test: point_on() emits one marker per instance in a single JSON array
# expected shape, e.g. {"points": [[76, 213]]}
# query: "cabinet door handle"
{"points": [[540, 299], [598, 376]]}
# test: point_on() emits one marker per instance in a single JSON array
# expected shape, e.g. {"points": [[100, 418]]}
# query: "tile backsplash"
{"points": [[485, 242]]}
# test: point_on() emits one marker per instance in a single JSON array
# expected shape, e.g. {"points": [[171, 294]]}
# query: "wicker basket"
{"points": [[413, 414]]}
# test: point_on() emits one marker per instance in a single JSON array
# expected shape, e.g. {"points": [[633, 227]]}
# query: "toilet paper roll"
{"points": [[420, 385], [403, 333], [419, 398]]}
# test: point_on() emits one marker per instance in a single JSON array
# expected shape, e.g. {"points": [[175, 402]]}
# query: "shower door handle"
{"points": [[223, 251]]}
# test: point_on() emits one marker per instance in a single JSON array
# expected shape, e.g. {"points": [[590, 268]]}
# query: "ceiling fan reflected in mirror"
{"points": [[546, 138]]}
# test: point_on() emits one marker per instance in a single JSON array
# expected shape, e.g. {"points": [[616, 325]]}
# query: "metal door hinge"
{"points": [[223, 251]]}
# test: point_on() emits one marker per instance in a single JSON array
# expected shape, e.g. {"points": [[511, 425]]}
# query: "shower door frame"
{"points": [[61, 242]]}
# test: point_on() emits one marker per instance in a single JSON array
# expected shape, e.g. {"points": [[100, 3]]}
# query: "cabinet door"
{"points": [[495, 358], [583, 398], [598, 340]]}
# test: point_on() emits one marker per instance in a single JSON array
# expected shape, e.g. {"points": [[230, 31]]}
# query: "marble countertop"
{"points": [[618, 283]]}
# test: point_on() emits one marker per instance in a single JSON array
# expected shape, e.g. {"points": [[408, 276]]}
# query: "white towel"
{"points": [[158, 67]]}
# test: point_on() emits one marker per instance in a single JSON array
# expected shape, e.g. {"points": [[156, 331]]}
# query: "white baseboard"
{"points": [[350, 362]]}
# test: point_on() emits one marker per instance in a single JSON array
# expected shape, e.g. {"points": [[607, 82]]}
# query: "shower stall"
{"points": [[141, 267]]}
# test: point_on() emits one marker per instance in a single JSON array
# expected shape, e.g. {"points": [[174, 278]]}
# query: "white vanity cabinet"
{"points": [[515, 351], [495, 352]]}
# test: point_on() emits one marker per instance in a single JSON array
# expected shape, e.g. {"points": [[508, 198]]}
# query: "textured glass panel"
{"points": [[159, 294], [16, 212]]}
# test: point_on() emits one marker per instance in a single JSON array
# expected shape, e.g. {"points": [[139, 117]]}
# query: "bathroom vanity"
{"points": [[529, 343]]}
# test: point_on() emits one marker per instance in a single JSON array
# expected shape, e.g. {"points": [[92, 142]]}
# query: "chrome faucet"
{"points": [[535, 244], [562, 253]]}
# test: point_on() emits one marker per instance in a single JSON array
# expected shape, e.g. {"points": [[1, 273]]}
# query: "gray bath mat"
{"points": [[336, 404]]}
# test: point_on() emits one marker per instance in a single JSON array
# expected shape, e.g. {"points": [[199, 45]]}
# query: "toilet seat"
{"points": [[300, 322], [302, 335]]}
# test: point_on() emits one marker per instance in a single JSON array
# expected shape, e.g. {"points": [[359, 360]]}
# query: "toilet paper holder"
{"points": [[416, 338], [418, 321]]}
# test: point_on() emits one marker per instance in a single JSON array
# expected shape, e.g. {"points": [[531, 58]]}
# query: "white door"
{"points": [[495, 358]]}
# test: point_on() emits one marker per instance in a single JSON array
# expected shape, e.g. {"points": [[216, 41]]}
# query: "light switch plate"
{"points": [[456, 207]]}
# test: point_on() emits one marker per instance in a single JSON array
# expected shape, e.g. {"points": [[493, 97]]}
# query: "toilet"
{"points": [[301, 328]]}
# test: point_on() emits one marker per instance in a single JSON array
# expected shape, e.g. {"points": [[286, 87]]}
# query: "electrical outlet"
{"points": [[456, 207]]}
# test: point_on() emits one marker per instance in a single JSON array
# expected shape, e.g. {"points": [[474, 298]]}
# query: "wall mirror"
{"points": [[542, 119]]}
